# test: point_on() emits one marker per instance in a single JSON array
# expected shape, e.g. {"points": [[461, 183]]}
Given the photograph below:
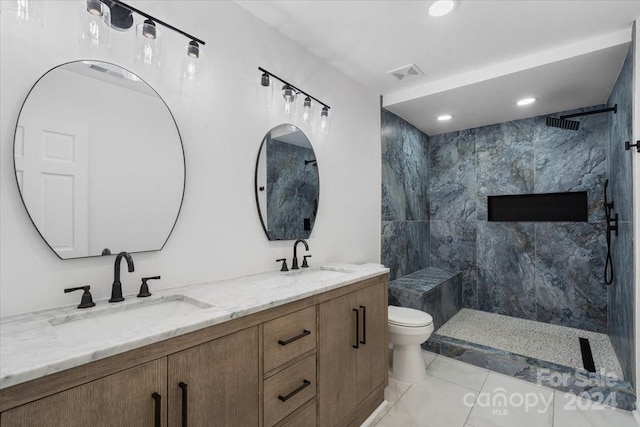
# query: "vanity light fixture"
{"points": [[441, 8], [95, 31], [307, 110], [289, 94], [324, 120], [148, 43], [119, 15], [526, 101], [445, 117], [27, 12], [149, 29]]}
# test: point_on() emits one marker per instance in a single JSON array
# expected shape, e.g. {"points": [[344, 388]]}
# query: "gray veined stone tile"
{"points": [[573, 160], [416, 173], [506, 268], [621, 299], [393, 195], [452, 176], [453, 244], [569, 275], [620, 125], [504, 155], [394, 248], [417, 245]]}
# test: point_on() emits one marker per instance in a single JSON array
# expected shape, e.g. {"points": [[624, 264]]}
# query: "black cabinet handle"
{"points": [[183, 386], [158, 409], [364, 324], [357, 313], [305, 383], [297, 337]]}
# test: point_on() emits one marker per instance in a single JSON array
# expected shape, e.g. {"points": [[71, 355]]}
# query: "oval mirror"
{"points": [[98, 161], [287, 184]]}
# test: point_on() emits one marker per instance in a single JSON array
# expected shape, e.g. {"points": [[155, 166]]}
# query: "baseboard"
{"points": [[369, 421]]}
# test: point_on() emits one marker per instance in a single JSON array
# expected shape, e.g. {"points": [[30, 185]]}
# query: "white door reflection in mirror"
{"points": [[54, 182]]}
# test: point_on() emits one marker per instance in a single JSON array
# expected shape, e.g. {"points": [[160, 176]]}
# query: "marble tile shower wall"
{"points": [[405, 207], [550, 272], [621, 179]]}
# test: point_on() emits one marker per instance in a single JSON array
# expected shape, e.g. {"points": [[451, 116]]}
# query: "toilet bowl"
{"points": [[408, 328]]}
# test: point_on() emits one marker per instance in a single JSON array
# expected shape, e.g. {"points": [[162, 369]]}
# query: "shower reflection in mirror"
{"points": [[287, 184]]}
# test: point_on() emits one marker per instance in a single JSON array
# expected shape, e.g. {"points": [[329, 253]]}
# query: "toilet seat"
{"points": [[408, 317]]}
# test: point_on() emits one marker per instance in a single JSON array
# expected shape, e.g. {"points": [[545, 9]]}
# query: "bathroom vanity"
{"points": [[303, 348]]}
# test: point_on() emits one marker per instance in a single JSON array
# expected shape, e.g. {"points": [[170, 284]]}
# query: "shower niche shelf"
{"points": [[568, 206]]}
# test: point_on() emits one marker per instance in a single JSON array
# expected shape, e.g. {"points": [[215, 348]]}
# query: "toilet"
{"points": [[408, 329]]}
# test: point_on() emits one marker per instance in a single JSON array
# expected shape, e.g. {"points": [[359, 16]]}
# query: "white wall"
{"points": [[218, 234]]}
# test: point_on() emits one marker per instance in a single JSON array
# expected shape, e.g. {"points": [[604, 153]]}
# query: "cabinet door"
{"points": [[221, 379], [372, 354], [121, 399], [337, 359]]}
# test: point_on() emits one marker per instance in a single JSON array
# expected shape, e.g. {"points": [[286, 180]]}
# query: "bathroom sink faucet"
{"points": [[294, 263], [116, 288]]}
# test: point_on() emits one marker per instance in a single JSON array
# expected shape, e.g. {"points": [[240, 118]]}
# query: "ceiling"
{"points": [[477, 61]]}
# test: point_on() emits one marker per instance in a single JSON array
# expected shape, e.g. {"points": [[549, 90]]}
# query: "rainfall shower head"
{"points": [[563, 123]]}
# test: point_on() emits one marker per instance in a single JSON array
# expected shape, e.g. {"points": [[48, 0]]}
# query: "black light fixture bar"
{"points": [[157, 21], [294, 87]]}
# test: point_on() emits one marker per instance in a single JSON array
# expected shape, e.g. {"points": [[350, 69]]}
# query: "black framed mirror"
{"points": [[99, 161], [287, 184]]}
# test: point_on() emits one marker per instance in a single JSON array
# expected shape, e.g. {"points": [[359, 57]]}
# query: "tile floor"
{"points": [[457, 394]]}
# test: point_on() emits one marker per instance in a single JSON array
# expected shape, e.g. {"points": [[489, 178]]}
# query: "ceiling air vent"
{"points": [[406, 72]]}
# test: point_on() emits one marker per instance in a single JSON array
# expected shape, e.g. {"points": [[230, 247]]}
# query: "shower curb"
{"points": [[592, 385]]}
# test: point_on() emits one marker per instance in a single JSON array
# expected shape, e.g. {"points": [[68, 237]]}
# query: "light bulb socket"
{"points": [[288, 93], [307, 102], [193, 49], [149, 29], [94, 7], [324, 112], [264, 81]]}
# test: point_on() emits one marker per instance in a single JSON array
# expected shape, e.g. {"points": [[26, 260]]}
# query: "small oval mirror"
{"points": [[287, 184]]}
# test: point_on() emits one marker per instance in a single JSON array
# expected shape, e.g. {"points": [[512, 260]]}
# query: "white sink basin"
{"points": [[320, 273], [111, 322]]}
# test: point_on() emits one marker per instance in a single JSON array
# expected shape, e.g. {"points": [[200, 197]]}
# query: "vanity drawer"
{"points": [[305, 418], [288, 337], [289, 389]]}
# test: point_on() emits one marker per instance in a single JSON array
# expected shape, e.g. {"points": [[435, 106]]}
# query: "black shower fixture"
{"points": [[563, 123]]}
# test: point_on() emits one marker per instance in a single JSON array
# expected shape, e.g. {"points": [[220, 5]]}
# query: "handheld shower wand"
{"points": [[612, 225]]}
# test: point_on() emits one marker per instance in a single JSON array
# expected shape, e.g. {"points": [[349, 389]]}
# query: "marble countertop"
{"points": [[30, 346]]}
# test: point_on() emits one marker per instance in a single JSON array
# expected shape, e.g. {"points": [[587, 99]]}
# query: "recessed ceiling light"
{"points": [[526, 101], [445, 117], [442, 7]]}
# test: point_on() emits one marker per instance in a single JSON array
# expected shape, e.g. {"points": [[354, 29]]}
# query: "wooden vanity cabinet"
{"points": [[352, 353], [109, 401], [292, 365], [216, 383]]}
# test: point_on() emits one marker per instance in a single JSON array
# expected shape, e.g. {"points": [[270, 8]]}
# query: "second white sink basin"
{"points": [[323, 272], [111, 322]]}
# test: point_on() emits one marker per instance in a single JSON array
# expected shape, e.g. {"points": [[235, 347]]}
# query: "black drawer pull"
{"points": [[297, 337], [158, 409], [183, 386], [364, 324], [305, 384], [357, 313]]}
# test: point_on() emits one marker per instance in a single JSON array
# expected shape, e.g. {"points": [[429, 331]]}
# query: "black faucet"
{"points": [[116, 288], [294, 263]]}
